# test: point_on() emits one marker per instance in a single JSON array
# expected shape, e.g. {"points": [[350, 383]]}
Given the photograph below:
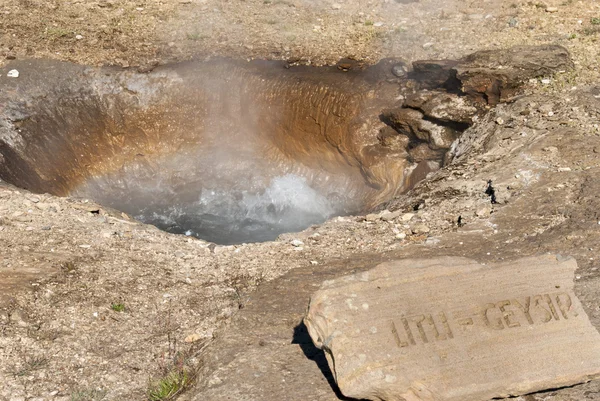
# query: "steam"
{"points": [[229, 172], [224, 196]]}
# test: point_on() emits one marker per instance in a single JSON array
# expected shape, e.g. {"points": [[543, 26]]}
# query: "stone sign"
{"points": [[452, 329]]}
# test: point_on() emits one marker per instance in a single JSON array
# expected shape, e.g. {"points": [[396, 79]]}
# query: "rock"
{"points": [[417, 329], [399, 70], [192, 338], [423, 152], [445, 107], [432, 241], [433, 74], [439, 137], [389, 216], [420, 229], [406, 121], [391, 139], [546, 108], [494, 76], [18, 317], [413, 124], [421, 171], [551, 9], [336, 6], [401, 236], [406, 217], [372, 217], [347, 64], [42, 206], [385, 215], [148, 66], [297, 243], [78, 37], [13, 74], [484, 211]]}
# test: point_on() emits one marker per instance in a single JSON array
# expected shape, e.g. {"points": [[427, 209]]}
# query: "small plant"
{"points": [[177, 368], [177, 373], [572, 36], [170, 385], [56, 32], [368, 23], [595, 20], [30, 365], [68, 267], [118, 307]]}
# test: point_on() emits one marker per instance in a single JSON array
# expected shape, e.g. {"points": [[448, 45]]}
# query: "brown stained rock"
{"points": [[420, 172], [448, 108], [406, 121], [434, 73], [312, 121], [390, 138], [418, 99], [495, 76], [423, 152], [438, 136], [491, 76], [412, 123], [452, 329]]}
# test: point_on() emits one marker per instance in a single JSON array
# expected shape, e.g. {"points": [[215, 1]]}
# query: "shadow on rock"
{"points": [[302, 338]]}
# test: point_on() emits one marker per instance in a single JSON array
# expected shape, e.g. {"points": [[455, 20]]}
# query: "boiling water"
{"points": [[227, 217]]}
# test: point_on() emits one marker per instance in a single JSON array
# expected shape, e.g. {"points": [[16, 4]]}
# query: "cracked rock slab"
{"points": [[452, 329]]}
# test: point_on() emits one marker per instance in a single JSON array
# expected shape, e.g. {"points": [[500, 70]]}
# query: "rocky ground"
{"points": [[94, 305], [144, 32]]}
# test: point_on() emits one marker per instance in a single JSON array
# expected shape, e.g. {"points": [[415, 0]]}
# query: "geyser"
{"points": [[226, 151]]}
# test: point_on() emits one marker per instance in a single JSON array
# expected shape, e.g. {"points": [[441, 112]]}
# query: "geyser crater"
{"points": [[225, 151]]}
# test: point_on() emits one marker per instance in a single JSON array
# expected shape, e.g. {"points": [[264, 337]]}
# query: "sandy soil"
{"points": [[61, 334], [144, 32]]}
